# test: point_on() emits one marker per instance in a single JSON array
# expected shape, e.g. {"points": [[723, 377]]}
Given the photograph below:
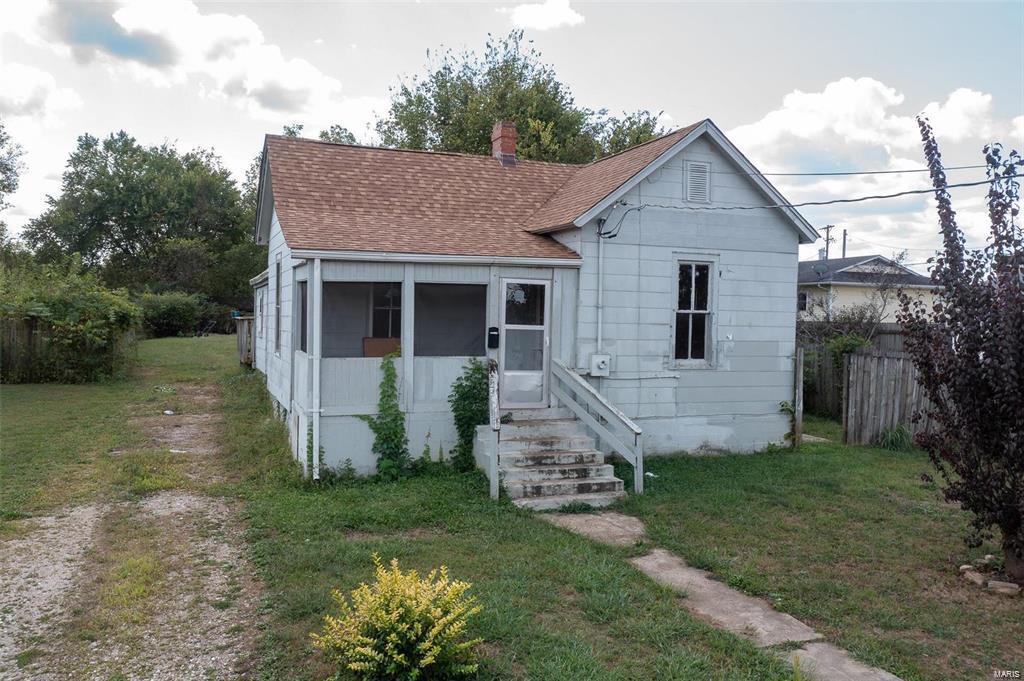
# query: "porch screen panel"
{"points": [[303, 316], [346, 318], [451, 320]]}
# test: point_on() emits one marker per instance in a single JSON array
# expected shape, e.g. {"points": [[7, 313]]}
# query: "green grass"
{"points": [[847, 539], [66, 444], [556, 606], [822, 426]]}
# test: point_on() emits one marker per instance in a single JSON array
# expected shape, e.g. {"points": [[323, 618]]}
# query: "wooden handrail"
{"points": [[580, 397]]}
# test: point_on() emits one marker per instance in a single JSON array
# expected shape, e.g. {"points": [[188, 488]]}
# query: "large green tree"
{"points": [[126, 209], [453, 106]]}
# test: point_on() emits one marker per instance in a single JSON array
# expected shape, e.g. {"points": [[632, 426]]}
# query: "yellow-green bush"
{"points": [[402, 627]]}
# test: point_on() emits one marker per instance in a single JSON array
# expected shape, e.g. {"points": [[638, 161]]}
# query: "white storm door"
{"points": [[525, 340]]}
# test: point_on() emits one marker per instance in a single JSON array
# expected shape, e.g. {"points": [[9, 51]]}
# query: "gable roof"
{"points": [[341, 197], [837, 271]]}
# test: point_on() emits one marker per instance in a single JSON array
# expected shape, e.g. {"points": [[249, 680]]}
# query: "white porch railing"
{"points": [[592, 408], [495, 423]]}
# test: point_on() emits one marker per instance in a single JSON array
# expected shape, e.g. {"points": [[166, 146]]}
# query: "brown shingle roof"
{"points": [[351, 198], [595, 181]]}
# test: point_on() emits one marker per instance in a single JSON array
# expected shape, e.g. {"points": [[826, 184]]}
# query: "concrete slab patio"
{"points": [[722, 606]]}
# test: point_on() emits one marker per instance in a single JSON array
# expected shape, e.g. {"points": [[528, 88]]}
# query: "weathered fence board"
{"points": [[880, 392], [244, 329]]}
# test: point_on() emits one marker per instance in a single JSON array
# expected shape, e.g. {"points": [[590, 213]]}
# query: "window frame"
{"points": [[711, 317], [277, 305], [390, 308], [302, 306], [802, 299]]}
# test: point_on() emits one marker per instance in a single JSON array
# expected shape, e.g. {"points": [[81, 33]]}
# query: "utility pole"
{"points": [[828, 238], [844, 242]]}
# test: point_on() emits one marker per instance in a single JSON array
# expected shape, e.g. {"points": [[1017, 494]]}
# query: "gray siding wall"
{"points": [[278, 363], [733, 403]]}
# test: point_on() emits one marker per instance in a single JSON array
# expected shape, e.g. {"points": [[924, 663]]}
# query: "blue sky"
{"points": [[800, 87]]}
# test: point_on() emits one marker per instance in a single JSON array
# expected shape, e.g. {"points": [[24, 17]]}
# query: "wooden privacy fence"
{"points": [[881, 391]]}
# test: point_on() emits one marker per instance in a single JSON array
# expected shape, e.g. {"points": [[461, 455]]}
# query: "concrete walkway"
{"points": [[723, 606]]}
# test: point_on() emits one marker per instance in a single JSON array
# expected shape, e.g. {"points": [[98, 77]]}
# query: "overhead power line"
{"points": [[845, 172], [873, 197], [829, 202]]}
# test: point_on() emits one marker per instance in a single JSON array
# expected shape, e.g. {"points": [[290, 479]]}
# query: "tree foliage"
{"points": [[453, 107], [969, 352], [150, 217], [68, 327], [10, 166]]}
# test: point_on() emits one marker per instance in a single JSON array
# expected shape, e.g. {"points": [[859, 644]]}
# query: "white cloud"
{"points": [[966, 114], [31, 92], [173, 42], [1017, 133], [543, 16]]}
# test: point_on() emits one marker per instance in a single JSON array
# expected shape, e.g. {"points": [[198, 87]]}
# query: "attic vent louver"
{"points": [[698, 181]]}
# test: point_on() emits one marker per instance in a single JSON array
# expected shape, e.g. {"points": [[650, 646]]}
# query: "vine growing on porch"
{"points": [[468, 400], [390, 443]]}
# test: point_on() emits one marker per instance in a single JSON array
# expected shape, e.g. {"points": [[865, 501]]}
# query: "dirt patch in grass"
{"points": [[38, 572], [175, 599], [153, 583]]}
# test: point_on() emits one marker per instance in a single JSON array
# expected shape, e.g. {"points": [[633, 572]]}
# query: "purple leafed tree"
{"points": [[969, 351]]}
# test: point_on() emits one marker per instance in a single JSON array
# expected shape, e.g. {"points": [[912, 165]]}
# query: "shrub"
{"points": [[63, 325], [390, 443], [844, 345], [896, 439], [402, 627], [469, 403], [172, 313]]}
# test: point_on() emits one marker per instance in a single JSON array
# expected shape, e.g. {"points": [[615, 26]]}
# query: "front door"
{"points": [[525, 339]]}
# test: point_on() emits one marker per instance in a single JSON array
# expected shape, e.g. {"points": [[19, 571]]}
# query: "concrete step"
{"points": [[597, 500], [550, 458], [544, 443], [536, 414], [569, 472], [545, 428], [550, 488]]}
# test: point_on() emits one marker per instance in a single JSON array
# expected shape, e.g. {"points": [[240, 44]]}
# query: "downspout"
{"points": [[600, 284]]}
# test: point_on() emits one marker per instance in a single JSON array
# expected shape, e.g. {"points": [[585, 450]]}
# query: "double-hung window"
{"points": [[693, 312]]}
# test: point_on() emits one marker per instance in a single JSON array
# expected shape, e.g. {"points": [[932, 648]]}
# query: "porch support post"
{"points": [[408, 323], [315, 308]]}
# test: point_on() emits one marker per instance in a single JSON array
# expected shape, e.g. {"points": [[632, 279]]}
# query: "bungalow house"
{"points": [[826, 287], [623, 306]]}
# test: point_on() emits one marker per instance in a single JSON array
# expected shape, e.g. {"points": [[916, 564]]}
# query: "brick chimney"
{"points": [[503, 142]]}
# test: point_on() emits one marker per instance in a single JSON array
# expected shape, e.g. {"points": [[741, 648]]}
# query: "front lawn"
{"points": [[848, 539], [556, 606]]}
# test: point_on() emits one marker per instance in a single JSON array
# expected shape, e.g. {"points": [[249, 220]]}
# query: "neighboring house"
{"points": [[603, 288], [826, 287]]}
